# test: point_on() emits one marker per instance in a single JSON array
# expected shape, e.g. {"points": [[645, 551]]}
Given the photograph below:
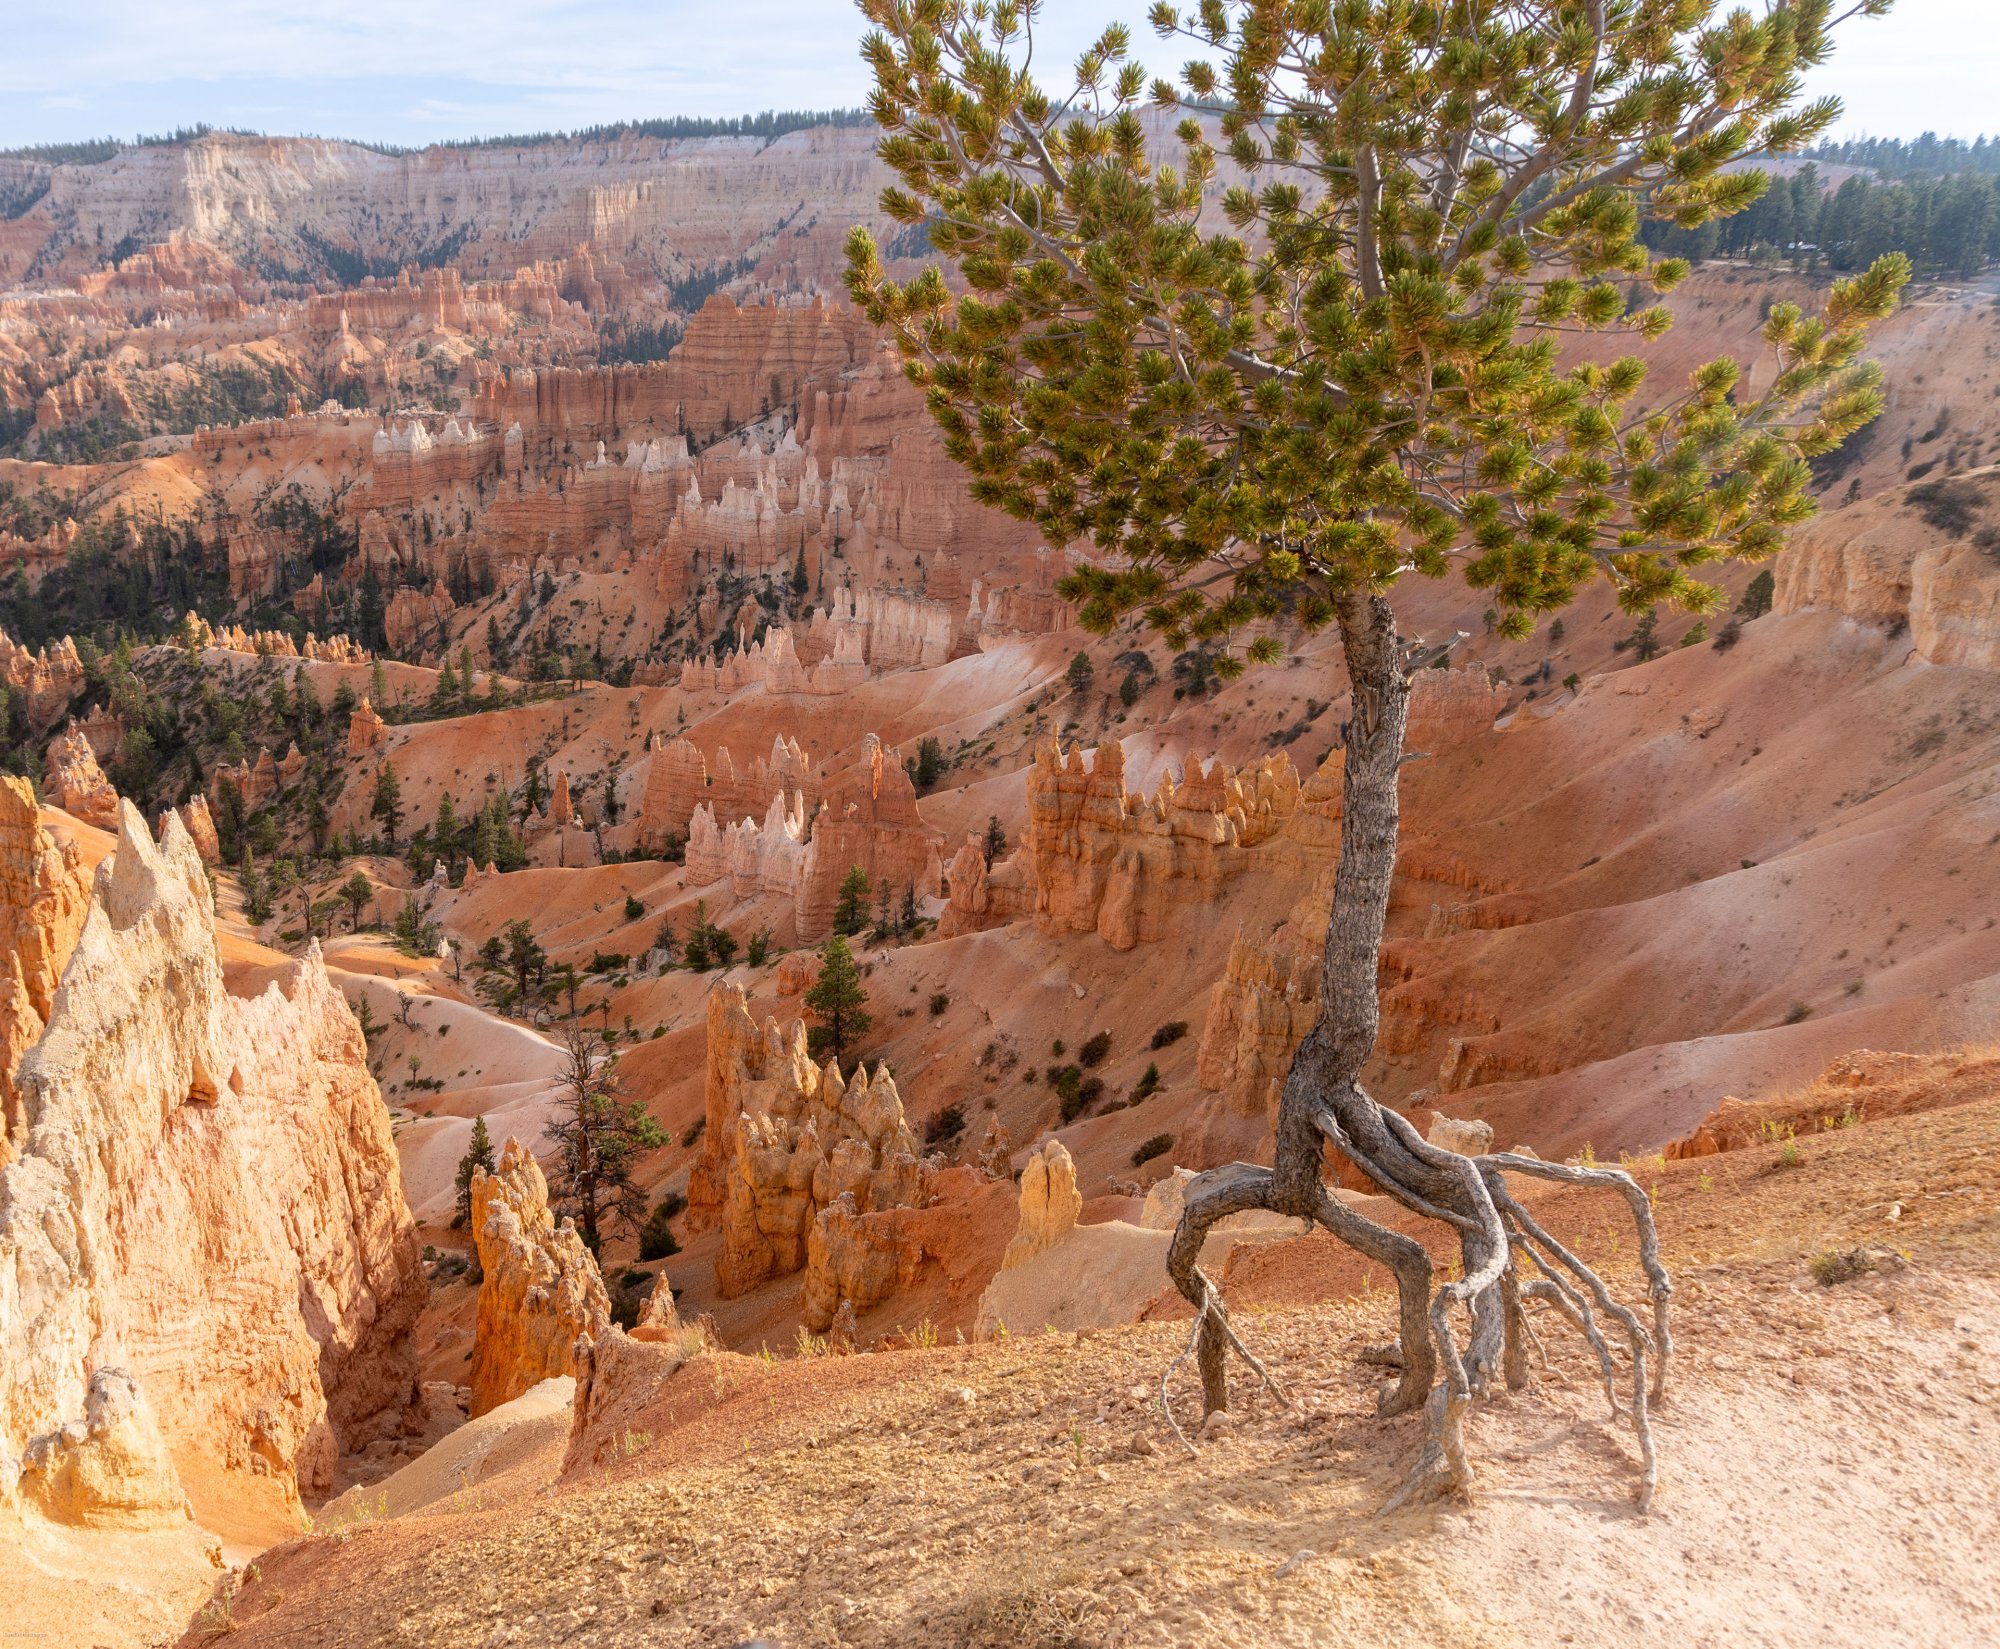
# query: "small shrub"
{"points": [[945, 1126], [656, 1238], [695, 1130], [939, 1002], [1170, 1033], [633, 909], [1093, 1051], [1147, 1085], [1058, 1047], [1831, 1267], [1797, 1013], [1158, 1146]]}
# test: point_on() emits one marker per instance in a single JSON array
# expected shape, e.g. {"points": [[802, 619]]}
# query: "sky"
{"points": [[416, 71]]}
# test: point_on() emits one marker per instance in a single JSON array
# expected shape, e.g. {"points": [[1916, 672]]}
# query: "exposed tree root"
{"points": [[1509, 1261]]}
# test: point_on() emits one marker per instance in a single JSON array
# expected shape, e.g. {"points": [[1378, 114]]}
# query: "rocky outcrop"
{"points": [[680, 780], [869, 819], [44, 897], [110, 1468], [786, 1138], [76, 784], [855, 1260], [44, 682], [1126, 866], [541, 1292], [206, 1196], [1909, 555], [979, 895], [200, 826], [1468, 1136], [766, 858], [1050, 1203], [1862, 1086], [366, 730]]}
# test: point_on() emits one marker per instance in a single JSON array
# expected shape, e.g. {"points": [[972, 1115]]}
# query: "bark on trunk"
{"points": [[1323, 1101]]}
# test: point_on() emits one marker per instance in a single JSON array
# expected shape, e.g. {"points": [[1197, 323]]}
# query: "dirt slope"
{"points": [[1827, 1453]]}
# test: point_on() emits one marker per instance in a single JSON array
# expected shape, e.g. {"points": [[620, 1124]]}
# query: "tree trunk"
{"points": [[1323, 1101]]}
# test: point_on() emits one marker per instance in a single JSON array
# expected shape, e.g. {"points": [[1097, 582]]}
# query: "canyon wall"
{"points": [[205, 1195]]}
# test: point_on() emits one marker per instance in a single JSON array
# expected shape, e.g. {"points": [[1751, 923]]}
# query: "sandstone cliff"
{"points": [[541, 1293], [44, 896], [206, 1196]]}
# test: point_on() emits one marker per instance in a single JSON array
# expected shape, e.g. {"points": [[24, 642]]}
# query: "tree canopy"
{"points": [[1297, 328]]}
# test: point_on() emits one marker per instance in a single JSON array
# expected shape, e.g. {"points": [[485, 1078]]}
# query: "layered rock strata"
{"points": [[1125, 865]]}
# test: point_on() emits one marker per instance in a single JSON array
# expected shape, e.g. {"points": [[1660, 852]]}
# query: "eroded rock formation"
{"points": [[787, 1138], [680, 780], [1124, 865], [44, 897], [870, 819], [1268, 996], [1050, 1203], [541, 1293], [76, 784], [206, 1196], [45, 682]]}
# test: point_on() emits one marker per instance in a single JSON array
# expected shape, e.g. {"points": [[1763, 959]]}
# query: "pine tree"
{"points": [[446, 833], [1269, 399], [851, 903], [599, 1135], [387, 807], [1079, 672], [838, 1001], [1758, 595], [355, 892], [996, 838], [479, 1154]]}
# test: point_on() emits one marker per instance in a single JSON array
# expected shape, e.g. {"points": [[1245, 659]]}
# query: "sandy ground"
{"points": [[1828, 1453]]}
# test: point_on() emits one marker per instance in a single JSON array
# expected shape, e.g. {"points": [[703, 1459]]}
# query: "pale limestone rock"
{"points": [[1050, 1203], [541, 1293], [205, 1195], [1164, 1201], [108, 1470], [1468, 1137]]}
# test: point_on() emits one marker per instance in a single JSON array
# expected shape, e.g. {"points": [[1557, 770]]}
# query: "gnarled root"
{"points": [[1509, 1260]]}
